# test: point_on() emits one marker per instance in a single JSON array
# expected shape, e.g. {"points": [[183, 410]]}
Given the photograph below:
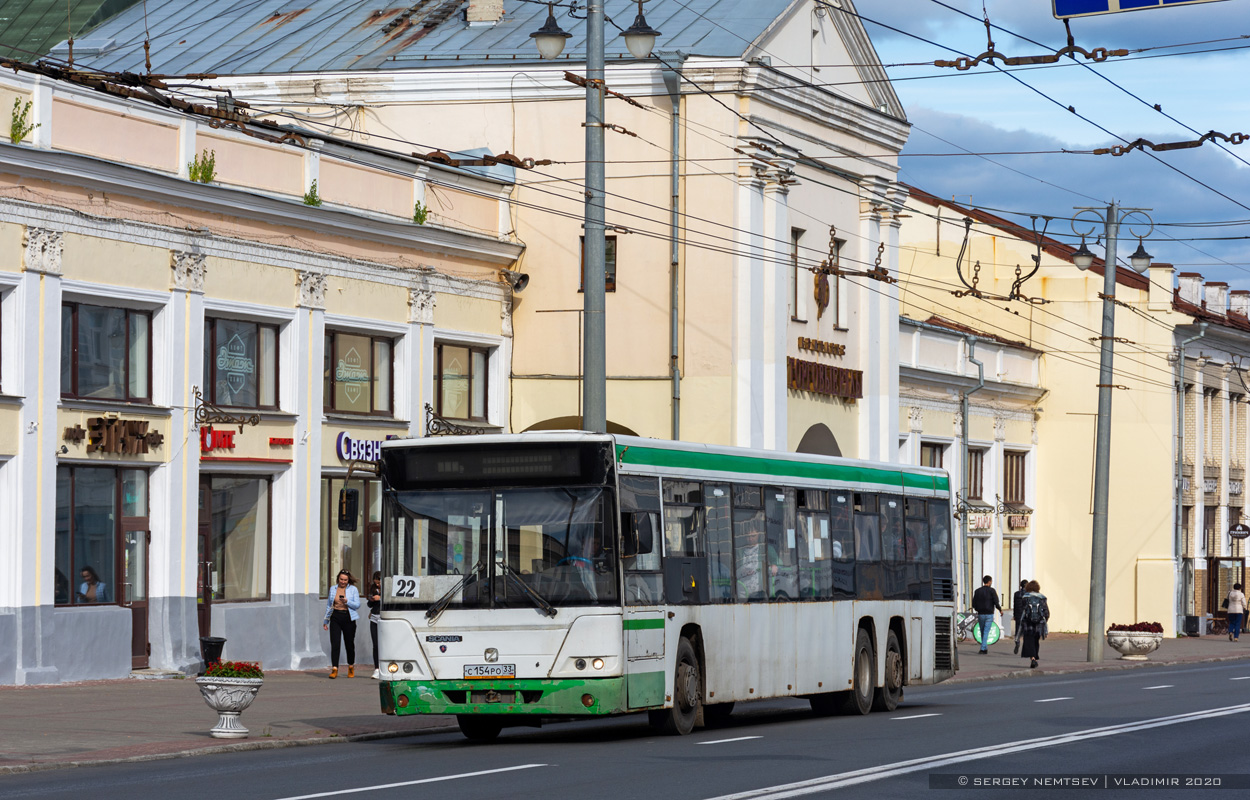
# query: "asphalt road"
{"points": [[1080, 735]]}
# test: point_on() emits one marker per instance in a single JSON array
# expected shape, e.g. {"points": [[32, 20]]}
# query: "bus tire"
{"points": [[687, 694], [888, 696], [478, 728], [717, 714], [863, 677]]}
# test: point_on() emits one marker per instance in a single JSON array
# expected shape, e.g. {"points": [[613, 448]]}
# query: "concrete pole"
{"points": [[594, 366], [1102, 451]]}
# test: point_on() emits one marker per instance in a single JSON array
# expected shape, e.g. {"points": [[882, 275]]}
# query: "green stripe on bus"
{"points": [[720, 462], [643, 624]]}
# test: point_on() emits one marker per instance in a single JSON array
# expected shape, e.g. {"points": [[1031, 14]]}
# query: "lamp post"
{"points": [[550, 42], [1112, 216]]}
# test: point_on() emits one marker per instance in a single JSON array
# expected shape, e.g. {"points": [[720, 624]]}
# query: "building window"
{"points": [[358, 374], [798, 286], [931, 455], [609, 265], [976, 467], [238, 537], [95, 507], [461, 382], [106, 353], [241, 363], [1013, 477], [359, 551]]}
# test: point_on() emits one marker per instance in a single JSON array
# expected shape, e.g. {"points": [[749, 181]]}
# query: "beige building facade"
{"points": [[188, 369]]}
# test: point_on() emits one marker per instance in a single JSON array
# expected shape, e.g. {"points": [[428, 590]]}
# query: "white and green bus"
{"points": [[569, 574]]}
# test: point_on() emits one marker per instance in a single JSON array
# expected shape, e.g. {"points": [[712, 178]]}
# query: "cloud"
{"points": [[1052, 184]]}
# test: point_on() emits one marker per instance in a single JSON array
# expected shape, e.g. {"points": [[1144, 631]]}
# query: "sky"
{"points": [[983, 110]]}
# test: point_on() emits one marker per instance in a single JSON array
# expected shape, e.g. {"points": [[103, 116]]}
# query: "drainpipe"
{"points": [[1178, 540], [672, 82], [963, 518]]}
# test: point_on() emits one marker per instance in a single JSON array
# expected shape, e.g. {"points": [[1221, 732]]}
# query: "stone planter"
{"points": [[229, 697], [1132, 645]]}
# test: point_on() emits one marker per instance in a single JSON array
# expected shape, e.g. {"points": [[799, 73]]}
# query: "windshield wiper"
{"points": [[538, 599], [433, 612]]}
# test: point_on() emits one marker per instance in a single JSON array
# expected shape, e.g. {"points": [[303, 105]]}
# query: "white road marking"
{"points": [[876, 773], [1052, 699], [1242, 678], [736, 739], [917, 716], [1164, 686], [414, 783]]}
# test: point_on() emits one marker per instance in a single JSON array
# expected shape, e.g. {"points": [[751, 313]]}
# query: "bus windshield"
{"points": [[481, 545]]}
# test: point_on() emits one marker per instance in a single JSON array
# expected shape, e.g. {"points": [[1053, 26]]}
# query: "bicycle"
{"points": [[966, 624]]}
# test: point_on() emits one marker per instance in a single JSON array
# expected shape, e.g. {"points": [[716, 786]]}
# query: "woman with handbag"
{"points": [[1236, 605]]}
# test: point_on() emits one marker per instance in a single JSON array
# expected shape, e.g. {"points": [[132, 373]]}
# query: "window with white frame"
{"points": [[461, 382], [931, 454], [974, 474], [241, 363], [106, 353], [359, 373], [1014, 463]]}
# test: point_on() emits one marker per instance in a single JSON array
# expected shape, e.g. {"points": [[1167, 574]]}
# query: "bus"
{"points": [[556, 575]]}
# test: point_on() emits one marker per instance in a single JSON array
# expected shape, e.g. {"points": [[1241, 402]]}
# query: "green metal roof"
{"points": [[30, 28]]}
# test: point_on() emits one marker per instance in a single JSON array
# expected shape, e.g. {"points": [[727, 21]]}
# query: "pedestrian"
{"points": [[341, 619], [374, 599], [1236, 612], [984, 601], [92, 589], [1034, 613], [1015, 615]]}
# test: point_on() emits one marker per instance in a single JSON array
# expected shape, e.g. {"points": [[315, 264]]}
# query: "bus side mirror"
{"points": [[637, 534], [349, 508]]}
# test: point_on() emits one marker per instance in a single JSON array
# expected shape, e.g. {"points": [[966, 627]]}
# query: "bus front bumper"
{"points": [[544, 697]]}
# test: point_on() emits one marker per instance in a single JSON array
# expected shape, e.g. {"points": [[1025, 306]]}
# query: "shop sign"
{"points": [[280, 441], [808, 376], [980, 522], [127, 437], [211, 439], [350, 449], [817, 346], [1018, 521], [1239, 531]]}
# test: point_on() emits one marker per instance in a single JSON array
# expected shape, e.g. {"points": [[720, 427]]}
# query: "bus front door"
{"points": [[644, 656]]}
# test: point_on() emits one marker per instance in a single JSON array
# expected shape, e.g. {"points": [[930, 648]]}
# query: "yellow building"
{"points": [[202, 321]]}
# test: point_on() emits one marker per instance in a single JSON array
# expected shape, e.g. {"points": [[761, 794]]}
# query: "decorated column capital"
{"points": [[915, 419], [189, 270], [42, 251], [505, 312], [312, 289], [421, 304]]}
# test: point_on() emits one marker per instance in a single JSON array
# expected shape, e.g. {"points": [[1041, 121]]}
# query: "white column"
{"points": [[28, 585], [302, 561], [418, 358], [748, 317], [1200, 460], [775, 307]]}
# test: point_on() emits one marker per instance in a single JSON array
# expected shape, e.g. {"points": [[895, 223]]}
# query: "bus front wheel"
{"points": [[687, 694], [479, 729], [888, 696], [863, 678]]}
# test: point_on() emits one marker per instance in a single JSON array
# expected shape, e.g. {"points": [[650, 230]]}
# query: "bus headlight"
{"points": [[580, 663], [597, 663], [409, 666], [392, 668]]}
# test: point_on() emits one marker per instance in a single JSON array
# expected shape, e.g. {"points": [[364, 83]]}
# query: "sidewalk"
{"points": [[49, 727]]}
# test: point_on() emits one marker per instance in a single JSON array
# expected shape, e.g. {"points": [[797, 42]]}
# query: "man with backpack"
{"points": [[1016, 607], [984, 601]]}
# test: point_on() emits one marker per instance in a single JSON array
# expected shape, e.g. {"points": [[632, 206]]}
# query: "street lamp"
{"points": [[550, 41], [1111, 217]]}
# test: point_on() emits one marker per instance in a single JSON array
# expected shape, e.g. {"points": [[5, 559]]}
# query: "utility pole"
{"points": [[594, 367]]}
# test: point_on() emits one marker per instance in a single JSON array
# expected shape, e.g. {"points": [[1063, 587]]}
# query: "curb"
{"points": [[45, 766], [1042, 672]]}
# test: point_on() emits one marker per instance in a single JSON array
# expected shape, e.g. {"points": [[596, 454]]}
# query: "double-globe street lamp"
{"points": [[1111, 217], [550, 39]]}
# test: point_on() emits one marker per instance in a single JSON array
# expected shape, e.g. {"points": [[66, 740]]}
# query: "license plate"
{"points": [[490, 670]]}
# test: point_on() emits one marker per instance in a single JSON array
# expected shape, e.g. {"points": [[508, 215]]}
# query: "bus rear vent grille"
{"points": [[942, 643], [943, 589]]}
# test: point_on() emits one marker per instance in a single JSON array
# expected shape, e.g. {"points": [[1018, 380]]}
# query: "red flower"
{"points": [[234, 669], [1139, 627]]}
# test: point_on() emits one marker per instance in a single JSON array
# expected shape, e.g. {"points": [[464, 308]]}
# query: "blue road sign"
{"points": [[1088, 8]]}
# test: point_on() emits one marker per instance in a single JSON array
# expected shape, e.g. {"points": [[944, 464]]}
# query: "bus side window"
{"points": [[640, 540], [867, 528], [892, 545], [782, 550], [719, 543], [750, 546], [815, 546], [940, 531], [683, 522], [917, 530], [842, 543]]}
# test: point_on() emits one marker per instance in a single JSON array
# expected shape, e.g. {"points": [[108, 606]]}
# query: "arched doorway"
{"points": [[574, 424], [819, 441]]}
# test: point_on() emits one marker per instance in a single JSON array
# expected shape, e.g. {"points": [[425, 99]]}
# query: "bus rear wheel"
{"points": [[863, 678], [888, 696], [478, 728], [687, 694]]}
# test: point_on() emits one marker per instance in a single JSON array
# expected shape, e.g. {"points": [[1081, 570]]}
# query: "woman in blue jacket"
{"points": [[340, 621]]}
